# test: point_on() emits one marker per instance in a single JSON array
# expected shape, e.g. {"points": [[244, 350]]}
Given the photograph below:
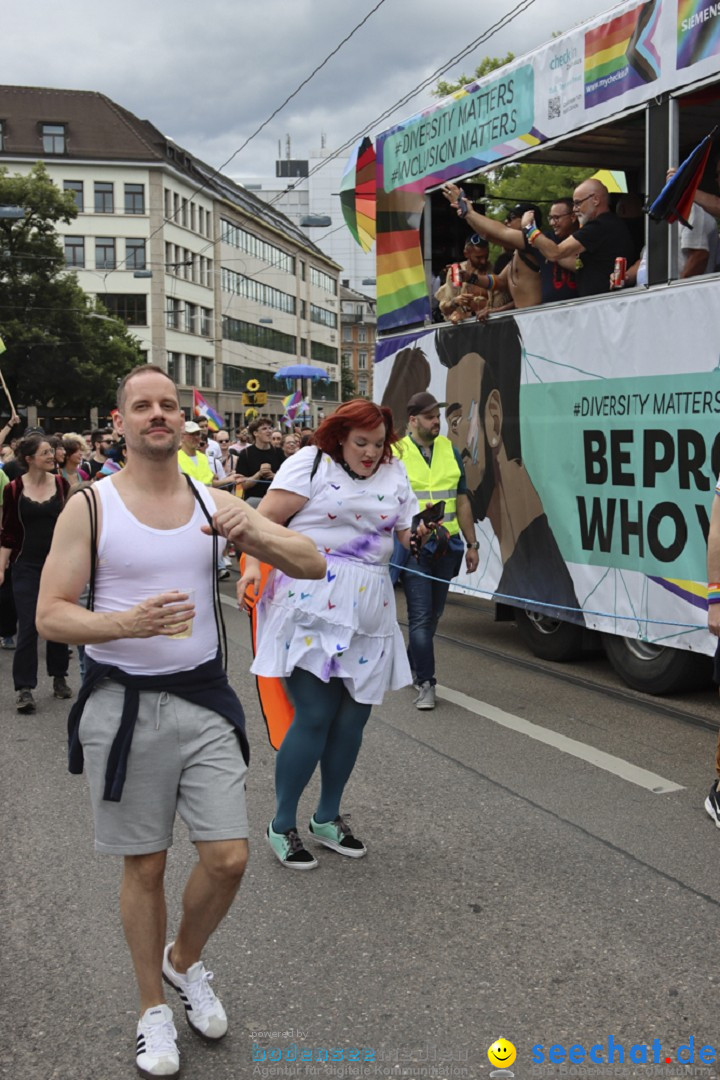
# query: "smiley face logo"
{"points": [[501, 1054]]}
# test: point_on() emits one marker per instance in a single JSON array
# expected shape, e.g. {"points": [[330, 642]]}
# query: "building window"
{"points": [[104, 198], [251, 289], [262, 337], [325, 354], [2, 134], [135, 254], [347, 333], [253, 245], [76, 186], [168, 203], [347, 360], [191, 370], [172, 313], [104, 253], [323, 316], [190, 320], [206, 375], [173, 366], [363, 385], [75, 251], [184, 213], [205, 323], [362, 361], [235, 378], [302, 270], [134, 198], [130, 307], [362, 333], [323, 281], [53, 138]]}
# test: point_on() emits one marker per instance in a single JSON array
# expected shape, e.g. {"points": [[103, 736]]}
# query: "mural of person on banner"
{"points": [[483, 364]]}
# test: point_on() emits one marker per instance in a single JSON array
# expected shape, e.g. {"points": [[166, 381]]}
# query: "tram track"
{"points": [[561, 674]]}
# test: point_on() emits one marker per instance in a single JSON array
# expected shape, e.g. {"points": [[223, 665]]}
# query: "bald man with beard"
{"points": [[594, 247]]}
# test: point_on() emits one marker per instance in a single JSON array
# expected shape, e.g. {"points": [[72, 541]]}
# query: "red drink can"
{"points": [[455, 275], [619, 271]]}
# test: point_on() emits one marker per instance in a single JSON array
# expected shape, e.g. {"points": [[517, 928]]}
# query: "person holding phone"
{"points": [[436, 472]]}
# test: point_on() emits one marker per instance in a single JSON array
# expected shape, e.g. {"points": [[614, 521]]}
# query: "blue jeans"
{"points": [[426, 596]]}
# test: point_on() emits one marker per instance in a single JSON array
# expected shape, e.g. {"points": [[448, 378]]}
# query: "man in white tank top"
{"points": [[158, 725]]}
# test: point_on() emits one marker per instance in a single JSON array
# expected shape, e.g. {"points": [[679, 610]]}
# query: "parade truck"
{"points": [[589, 428]]}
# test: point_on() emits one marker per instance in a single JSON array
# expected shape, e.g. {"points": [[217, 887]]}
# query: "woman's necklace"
{"points": [[352, 473]]}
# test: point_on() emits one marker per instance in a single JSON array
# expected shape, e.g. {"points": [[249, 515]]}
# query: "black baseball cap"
{"points": [[422, 403]]}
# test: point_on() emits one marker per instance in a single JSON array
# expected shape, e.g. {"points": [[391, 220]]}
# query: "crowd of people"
{"points": [[575, 258], [29, 466]]}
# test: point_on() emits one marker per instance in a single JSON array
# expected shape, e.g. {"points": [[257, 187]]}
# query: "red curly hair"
{"points": [[358, 413]]}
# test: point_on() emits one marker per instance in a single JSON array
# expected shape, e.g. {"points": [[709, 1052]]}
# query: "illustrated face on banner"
{"points": [[467, 429]]}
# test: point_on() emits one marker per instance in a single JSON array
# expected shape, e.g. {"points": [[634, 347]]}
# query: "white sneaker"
{"points": [[156, 1053], [203, 1011], [426, 697]]}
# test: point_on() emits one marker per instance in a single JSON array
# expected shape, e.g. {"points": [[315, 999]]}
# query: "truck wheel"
{"points": [[550, 639], [656, 669]]}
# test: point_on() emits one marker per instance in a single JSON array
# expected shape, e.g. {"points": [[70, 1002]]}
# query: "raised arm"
{"points": [[262, 538], [564, 253], [479, 223]]}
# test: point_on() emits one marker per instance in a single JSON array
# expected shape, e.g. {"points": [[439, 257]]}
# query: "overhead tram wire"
{"points": [[501, 23], [313, 73]]}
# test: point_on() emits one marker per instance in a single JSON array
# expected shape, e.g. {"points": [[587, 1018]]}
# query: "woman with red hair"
{"points": [[336, 641]]}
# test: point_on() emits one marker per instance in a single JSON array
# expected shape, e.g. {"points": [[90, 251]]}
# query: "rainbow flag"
{"points": [[201, 408], [291, 405], [621, 54]]}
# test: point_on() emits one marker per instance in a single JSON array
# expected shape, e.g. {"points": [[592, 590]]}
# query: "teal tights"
{"points": [[328, 728]]}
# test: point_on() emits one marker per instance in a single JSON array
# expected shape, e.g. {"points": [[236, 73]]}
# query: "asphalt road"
{"points": [[512, 888]]}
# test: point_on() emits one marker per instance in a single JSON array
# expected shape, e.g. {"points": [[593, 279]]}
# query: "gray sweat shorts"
{"points": [[183, 758]]}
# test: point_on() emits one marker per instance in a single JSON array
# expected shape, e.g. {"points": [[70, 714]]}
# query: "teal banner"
{"points": [[464, 130], [625, 468]]}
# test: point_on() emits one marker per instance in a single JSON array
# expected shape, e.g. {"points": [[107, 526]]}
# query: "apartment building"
{"points": [[358, 322], [218, 287]]}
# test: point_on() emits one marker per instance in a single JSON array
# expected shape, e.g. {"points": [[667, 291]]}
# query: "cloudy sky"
{"points": [[209, 72]]}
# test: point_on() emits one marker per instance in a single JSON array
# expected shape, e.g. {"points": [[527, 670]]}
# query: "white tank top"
{"points": [[135, 562]]}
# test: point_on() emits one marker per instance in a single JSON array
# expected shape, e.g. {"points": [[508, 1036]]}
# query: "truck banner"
{"points": [[591, 443]]}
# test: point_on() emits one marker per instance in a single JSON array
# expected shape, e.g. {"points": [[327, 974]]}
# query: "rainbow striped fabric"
{"points": [[621, 54]]}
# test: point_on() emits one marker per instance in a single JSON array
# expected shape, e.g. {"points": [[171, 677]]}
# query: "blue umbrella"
{"points": [[301, 371]]}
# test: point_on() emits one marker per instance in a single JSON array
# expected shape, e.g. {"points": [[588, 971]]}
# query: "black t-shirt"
{"points": [[250, 460], [93, 467], [556, 282], [38, 521], [604, 238]]}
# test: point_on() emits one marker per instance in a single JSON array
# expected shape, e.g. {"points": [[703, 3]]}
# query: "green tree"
{"points": [[348, 389], [63, 351], [486, 65]]}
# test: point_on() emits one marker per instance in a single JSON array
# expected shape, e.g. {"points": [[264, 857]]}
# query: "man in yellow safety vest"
{"points": [[436, 473]]}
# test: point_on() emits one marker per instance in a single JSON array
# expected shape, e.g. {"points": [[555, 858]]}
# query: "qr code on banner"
{"points": [[553, 107]]}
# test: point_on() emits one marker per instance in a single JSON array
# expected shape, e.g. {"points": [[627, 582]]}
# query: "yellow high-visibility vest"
{"points": [[438, 480]]}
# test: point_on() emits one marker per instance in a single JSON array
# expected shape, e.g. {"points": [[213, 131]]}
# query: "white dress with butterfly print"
{"points": [[343, 626]]}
